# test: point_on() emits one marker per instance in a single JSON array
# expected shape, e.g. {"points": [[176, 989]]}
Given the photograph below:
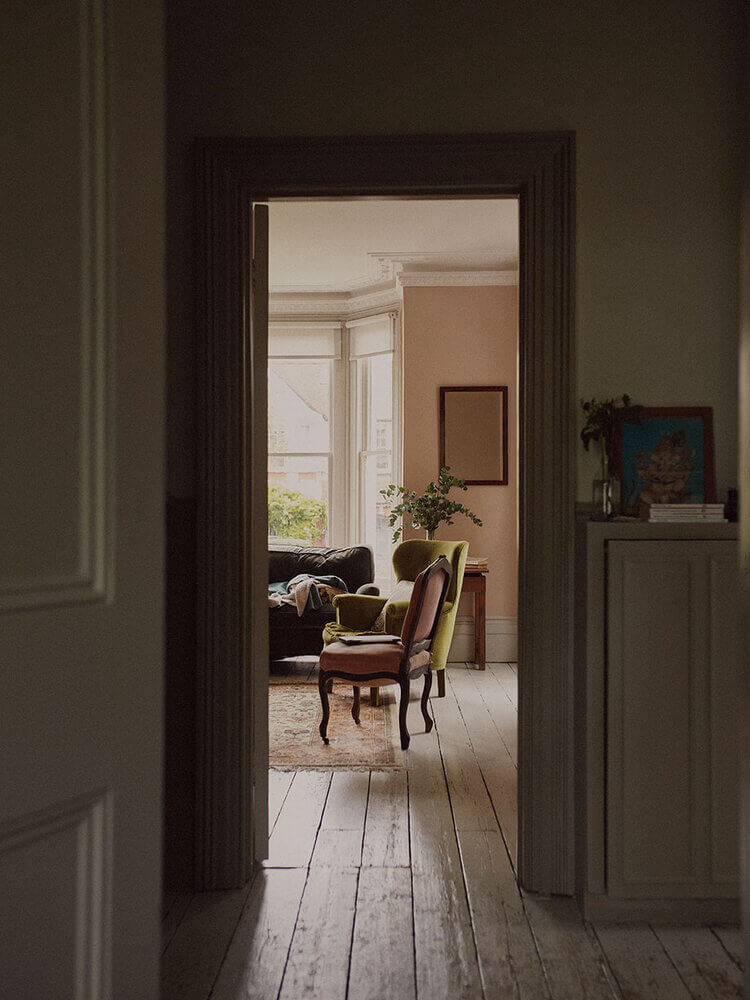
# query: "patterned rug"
{"points": [[295, 743]]}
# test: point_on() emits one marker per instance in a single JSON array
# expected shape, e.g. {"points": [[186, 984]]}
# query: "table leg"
{"points": [[480, 628]]}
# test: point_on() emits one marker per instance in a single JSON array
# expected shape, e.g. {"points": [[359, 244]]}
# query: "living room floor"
{"points": [[400, 885]]}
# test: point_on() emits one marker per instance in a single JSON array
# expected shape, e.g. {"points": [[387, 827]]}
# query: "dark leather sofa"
{"points": [[291, 634]]}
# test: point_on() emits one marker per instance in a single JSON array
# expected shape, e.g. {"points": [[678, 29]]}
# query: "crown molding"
{"points": [[346, 304], [442, 279], [341, 305]]}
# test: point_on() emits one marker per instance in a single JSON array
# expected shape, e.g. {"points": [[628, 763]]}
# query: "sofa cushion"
{"points": [[353, 564]]}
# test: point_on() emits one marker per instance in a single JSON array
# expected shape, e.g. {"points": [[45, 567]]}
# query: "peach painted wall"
{"points": [[464, 336]]}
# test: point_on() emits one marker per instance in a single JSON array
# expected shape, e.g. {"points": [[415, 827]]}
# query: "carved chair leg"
{"points": [[355, 706], [428, 723], [323, 683], [403, 705], [375, 697], [329, 687], [441, 682]]}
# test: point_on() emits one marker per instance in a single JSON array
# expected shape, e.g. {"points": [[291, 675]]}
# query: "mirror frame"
{"points": [[503, 390]]}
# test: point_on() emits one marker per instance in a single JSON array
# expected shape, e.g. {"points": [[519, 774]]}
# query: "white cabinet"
{"points": [[658, 653]]}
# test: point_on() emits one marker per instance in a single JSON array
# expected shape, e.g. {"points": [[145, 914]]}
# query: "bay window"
{"points": [[333, 432]]}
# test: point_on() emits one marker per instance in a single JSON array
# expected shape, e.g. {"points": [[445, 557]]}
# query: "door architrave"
{"points": [[231, 709]]}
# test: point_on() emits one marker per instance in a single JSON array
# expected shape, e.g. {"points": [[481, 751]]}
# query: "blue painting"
{"points": [[664, 460]]}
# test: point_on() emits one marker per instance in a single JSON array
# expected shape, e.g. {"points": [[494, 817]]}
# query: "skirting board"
{"points": [[502, 640]]}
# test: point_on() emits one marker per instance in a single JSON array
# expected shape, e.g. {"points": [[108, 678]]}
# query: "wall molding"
{"points": [[342, 305], [90, 816], [88, 582], [348, 304], [502, 640], [538, 168], [445, 279]]}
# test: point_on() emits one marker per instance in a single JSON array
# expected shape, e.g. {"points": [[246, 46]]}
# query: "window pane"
{"points": [[290, 341], [299, 406], [376, 475], [298, 499], [371, 335], [380, 402]]}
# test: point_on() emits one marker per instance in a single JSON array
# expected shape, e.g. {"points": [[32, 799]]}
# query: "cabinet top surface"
{"points": [[645, 530]]}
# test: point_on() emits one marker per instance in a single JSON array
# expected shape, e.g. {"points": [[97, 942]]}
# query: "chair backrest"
{"points": [[426, 603], [415, 554]]}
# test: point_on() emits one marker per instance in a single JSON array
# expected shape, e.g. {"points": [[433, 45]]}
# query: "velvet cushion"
{"points": [[368, 658], [401, 594], [353, 565]]}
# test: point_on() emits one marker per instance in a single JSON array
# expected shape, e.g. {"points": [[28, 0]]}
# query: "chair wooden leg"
{"points": [[403, 705], [428, 723], [355, 706], [441, 682], [329, 686], [375, 696], [323, 683]]}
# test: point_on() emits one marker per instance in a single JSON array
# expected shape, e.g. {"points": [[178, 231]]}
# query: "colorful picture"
{"points": [[665, 455]]}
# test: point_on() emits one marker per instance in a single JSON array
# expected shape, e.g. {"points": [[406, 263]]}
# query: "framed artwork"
{"points": [[474, 433], [665, 454]]}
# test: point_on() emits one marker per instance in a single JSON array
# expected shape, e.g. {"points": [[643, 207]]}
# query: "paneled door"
{"points": [[81, 538]]}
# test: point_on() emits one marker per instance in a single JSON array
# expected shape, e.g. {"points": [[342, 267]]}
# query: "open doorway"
{"points": [[375, 307], [231, 831]]}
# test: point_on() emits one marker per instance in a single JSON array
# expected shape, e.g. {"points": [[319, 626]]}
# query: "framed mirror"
{"points": [[474, 433]]}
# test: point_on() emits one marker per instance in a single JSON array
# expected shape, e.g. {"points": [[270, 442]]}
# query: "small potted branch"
{"points": [[429, 509], [601, 419]]}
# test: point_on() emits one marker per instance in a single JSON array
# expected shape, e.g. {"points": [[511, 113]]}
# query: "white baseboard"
{"points": [[502, 640]]}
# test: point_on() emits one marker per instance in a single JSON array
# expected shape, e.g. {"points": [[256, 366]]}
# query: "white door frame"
{"points": [[232, 654]]}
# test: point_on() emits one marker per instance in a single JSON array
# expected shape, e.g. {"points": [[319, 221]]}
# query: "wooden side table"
{"points": [[475, 582]]}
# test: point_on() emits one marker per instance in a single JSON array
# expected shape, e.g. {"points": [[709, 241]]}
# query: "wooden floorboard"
{"points": [[195, 954], [279, 783], [339, 840], [509, 962], [701, 962], [386, 843], [446, 958], [639, 962], [318, 960], [497, 767], [382, 961], [731, 939], [179, 903], [292, 841], [573, 962], [401, 885], [256, 959]]}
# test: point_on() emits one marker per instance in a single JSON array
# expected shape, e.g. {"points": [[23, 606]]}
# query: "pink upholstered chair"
{"points": [[364, 662]]}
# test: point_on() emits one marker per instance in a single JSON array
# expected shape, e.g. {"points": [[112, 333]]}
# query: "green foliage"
{"points": [[431, 508], [293, 515], [601, 419]]}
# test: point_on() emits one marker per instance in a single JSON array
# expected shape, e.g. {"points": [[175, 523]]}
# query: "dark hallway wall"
{"points": [[651, 90]]}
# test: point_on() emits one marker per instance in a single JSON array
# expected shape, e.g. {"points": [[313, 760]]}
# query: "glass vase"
{"points": [[605, 491]]}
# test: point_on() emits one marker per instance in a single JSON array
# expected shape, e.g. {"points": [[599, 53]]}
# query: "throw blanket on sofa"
{"points": [[306, 592]]}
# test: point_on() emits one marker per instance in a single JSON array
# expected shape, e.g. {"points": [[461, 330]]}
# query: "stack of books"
{"points": [[477, 564], [683, 513]]}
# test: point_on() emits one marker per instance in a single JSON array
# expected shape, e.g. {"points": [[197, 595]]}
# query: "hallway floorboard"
{"points": [[400, 885]]}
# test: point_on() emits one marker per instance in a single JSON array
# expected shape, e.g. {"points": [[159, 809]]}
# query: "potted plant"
{"points": [[601, 420], [429, 509]]}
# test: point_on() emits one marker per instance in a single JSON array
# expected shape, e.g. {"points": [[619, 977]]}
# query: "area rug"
{"points": [[295, 743]]}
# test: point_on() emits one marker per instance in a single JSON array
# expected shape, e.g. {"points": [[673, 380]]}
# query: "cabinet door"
{"points": [[672, 672]]}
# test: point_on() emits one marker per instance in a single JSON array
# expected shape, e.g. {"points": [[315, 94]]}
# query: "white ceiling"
{"points": [[340, 245]]}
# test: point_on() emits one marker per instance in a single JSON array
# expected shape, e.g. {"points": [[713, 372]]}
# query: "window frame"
{"points": [[348, 428]]}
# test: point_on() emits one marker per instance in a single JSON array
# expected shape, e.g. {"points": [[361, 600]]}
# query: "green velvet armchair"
{"points": [[359, 613]]}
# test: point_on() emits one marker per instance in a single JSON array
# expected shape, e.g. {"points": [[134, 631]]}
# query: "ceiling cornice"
{"points": [[442, 279]]}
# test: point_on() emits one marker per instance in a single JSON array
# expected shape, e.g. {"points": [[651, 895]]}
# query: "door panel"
{"points": [[81, 571], [673, 654]]}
